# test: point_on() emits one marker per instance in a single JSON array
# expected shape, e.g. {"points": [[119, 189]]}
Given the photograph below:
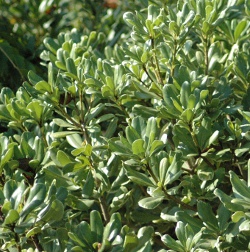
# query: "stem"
{"points": [[76, 124], [122, 109], [17, 240], [168, 196], [81, 107], [158, 74], [104, 209], [199, 149], [43, 135], [190, 171], [173, 59], [2, 179], [13, 64], [178, 201], [37, 243], [206, 54], [92, 7], [83, 129], [208, 162], [146, 71]]}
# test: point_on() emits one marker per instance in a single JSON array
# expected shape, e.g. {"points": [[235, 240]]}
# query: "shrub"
{"points": [[143, 146]]}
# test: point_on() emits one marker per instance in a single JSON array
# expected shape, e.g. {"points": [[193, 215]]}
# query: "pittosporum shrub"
{"points": [[143, 146]]}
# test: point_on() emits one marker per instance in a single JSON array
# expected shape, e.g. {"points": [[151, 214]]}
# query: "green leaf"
{"points": [[76, 203], [63, 158], [195, 223], [130, 242], [11, 217], [240, 188], [151, 132], [6, 95], [185, 93], [119, 149], [75, 140], [138, 147], [70, 65], [156, 146], [245, 114], [132, 134], [111, 231], [51, 45], [237, 216], [205, 173], [43, 86], [182, 135], [62, 123], [131, 20], [17, 195], [34, 78], [51, 173], [139, 178], [111, 128], [145, 235], [52, 212], [169, 94], [104, 118], [163, 170], [36, 110], [9, 188], [239, 29], [245, 227], [35, 199], [174, 170], [181, 234], [206, 214], [171, 243], [6, 207], [187, 115], [88, 187], [213, 138], [61, 134], [5, 157], [5, 114], [150, 202], [79, 241], [113, 228], [96, 225], [83, 232], [227, 201], [139, 124], [92, 38], [94, 112], [33, 231]]}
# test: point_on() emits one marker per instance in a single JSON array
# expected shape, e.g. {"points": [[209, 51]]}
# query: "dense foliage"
{"points": [[137, 137]]}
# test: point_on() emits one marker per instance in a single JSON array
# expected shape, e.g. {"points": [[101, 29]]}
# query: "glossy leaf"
{"points": [[207, 215], [139, 178], [150, 202], [35, 199], [52, 212], [11, 217]]}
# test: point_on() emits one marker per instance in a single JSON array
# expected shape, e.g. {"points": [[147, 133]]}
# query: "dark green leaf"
{"points": [[36, 198], [139, 178], [206, 214]]}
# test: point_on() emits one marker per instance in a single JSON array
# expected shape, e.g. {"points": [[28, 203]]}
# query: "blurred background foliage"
{"points": [[24, 24]]}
